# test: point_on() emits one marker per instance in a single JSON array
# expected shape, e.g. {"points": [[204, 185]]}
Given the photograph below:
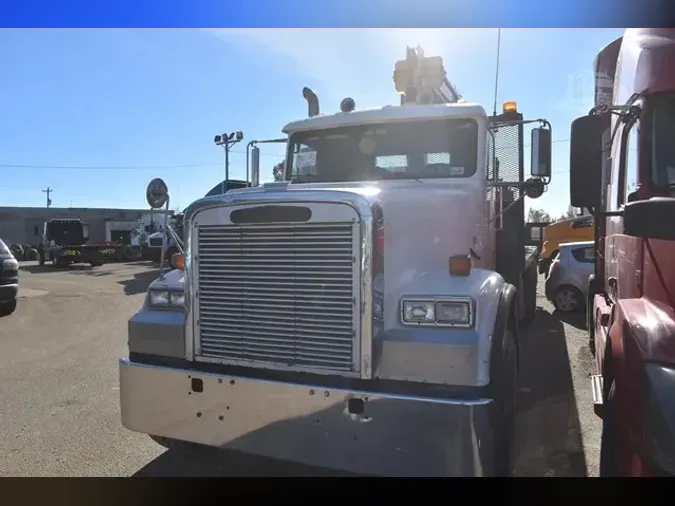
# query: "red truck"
{"points": [[622, 168]]}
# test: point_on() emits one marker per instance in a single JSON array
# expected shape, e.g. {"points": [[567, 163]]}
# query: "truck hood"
{"points": [[174, 280]]}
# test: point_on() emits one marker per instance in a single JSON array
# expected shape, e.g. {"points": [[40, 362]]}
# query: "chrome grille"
{"points": [[282, 294]]}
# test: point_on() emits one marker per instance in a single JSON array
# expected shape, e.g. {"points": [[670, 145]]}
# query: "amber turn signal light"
{"points": [[460, 265], [178, 261]]}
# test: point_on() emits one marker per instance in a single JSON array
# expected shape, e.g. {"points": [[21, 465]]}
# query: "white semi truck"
{"points": [[364, 313]]}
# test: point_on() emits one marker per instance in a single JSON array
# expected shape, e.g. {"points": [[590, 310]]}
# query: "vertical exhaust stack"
{"points": [[312, 102], [255, 166]]}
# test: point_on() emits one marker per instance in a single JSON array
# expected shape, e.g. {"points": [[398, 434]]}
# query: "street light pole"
{"points": [[227, 141]]}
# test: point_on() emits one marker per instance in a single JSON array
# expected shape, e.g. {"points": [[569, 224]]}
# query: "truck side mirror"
{"points": [[156, 193], [586, 160], [540, 159], [255, 166], [650, 219]]}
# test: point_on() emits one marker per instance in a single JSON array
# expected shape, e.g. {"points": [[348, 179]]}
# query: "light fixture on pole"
{"points": [[227, 141]]}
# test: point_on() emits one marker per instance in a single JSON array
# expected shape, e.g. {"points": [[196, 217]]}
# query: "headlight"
{"points": [[452, 312], [10, 264], [177, 298], [660, 415], [419, 311], [456, 313], [166, 298]]}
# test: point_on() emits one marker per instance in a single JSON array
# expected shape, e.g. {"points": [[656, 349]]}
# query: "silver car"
{"points": [[567, 278]]}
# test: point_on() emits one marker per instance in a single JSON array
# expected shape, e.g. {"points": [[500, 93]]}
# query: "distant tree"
{"points": [[572, 212], [278, 170], [538, 216]]}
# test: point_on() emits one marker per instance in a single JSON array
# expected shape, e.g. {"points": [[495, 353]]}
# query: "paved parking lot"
{"points": [[59, 388]]}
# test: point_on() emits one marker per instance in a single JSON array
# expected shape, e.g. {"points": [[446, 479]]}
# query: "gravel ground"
{"points": [[59, 386]]}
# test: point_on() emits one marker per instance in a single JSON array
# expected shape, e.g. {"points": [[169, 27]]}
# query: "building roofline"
{"points": [[19, 209]]}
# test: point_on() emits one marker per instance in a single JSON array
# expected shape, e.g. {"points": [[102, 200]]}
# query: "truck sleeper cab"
{"points": [[349, 317]]}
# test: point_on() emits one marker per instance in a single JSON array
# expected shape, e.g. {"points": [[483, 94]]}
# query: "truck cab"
{"points": [[621, 169], [65, 242], [362, 314]]}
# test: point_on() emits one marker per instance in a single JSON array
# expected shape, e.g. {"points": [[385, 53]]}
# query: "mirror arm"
{"points": [[177, 240], [607, 214]]}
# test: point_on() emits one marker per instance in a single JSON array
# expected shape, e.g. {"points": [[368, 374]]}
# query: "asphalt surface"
{"points": [[59, 388]]}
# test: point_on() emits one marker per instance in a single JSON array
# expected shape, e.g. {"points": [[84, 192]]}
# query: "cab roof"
{"points": [[387, 114], [647, 54]]}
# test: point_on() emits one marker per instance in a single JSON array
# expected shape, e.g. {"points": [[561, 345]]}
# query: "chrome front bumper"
{"points": [[395, 435]]}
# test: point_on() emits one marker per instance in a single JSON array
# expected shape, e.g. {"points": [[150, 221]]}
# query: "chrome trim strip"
{"points": [[189, 300], [366, 327]]}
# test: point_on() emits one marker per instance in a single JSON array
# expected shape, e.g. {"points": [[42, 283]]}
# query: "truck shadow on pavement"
{"points": [[213, 462], [576, 319], [140, 282], [548, 434], [549, 431]]}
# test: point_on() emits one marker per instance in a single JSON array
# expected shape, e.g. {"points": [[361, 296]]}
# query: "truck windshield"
{"points": [[663, 135], [404, 150]]}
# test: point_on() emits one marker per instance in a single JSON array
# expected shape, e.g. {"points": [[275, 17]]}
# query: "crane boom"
{"points": [[423, 80]]}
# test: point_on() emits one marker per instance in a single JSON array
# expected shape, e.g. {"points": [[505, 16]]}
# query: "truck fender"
{"points": [[506, 318]]}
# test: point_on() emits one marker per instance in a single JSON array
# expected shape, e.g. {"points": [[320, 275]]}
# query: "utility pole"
{"points": [[227, 141], [48, 191]]}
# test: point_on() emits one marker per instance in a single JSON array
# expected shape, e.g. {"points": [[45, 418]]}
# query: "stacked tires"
{"points": [[24, 252]]}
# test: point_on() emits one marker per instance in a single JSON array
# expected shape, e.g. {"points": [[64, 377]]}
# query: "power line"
{"points": [[125, 167], [103, 167], [146, 167]]}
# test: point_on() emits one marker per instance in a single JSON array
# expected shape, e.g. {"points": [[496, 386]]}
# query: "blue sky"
{"points": [[116, 108]]}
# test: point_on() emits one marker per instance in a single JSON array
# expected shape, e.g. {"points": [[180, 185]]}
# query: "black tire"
{"points": [[530, 299], [96, 264], [609, 441], [505, 409], [7, 308], [568, 299]]}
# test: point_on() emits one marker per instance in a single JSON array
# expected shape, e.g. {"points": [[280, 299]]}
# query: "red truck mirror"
{"points": [[586, 160], [650, 219]]}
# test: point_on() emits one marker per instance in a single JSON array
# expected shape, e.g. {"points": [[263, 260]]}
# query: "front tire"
{"points": [[505, 388], [7, 308], [609, 441]]}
